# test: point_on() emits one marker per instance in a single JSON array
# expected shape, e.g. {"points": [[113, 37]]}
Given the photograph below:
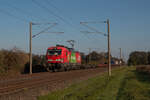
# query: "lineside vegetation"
{"points": [[15, 61], [12, 61], [125, 84]]}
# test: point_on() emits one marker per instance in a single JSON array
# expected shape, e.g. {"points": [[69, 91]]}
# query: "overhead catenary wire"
{"points": [[60, 12], [94, 22], [50, 12], [46, 9], [91, 28], [44, 30], [52, 5], [91, 38], [11, 15], [25, 12]]}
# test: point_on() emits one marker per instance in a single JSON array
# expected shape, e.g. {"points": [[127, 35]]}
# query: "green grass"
{"points": [[136, 86], [125, 84]]}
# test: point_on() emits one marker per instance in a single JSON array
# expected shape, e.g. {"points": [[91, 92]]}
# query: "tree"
{"points": [[138, 58], [97, 58]]}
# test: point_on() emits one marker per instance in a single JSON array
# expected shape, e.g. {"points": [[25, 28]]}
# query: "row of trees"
{"points": [[98, 58], [139, 58]]}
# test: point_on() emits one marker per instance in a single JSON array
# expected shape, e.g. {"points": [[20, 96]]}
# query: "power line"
{"points": [[11, 15], [51, 12], [93, 39], [59, 11], [24, 12], [44, 29], [46, 9], [49, 3], [91, 28]]}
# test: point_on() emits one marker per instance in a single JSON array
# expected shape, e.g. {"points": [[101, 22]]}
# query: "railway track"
{"points": [[10, 86]]}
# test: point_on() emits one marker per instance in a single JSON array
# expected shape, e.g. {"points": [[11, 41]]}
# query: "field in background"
{"points": [[125, 84]]}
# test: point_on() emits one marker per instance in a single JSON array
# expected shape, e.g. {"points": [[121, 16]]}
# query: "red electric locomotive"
{"points": [[60, 57]]}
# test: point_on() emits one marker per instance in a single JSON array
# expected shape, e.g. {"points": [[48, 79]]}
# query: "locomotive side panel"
{"points": [[78, 58], [73, 57]]}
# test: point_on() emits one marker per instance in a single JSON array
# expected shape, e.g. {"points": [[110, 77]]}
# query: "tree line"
{"points": [[98, 58], [139, 58]]}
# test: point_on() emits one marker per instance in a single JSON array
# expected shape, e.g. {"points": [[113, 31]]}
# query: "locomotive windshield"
{"points": [[54, 52]]}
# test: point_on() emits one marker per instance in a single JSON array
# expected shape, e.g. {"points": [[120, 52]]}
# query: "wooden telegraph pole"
{"points": [[89, 55], [30, 46], [109, 56]]}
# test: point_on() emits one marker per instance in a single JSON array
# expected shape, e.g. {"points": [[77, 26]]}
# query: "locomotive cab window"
{"points": [[54, 52]]}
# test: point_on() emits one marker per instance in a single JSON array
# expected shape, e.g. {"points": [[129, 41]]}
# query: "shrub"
{"points": [[13, 60], [138, 58]]}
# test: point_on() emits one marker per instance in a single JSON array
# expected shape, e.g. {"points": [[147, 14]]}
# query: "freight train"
{"points": [[62, 58]]}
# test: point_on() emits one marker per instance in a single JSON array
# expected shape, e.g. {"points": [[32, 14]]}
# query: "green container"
{"points": [[73, 57]]}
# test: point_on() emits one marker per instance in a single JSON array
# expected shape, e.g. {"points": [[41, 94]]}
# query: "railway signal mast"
{"points": [[108, 38], [33, 36]]}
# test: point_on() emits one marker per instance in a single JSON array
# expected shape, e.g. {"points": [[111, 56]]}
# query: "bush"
{"points": [[13, 61], [38, 64], [138, 58]]}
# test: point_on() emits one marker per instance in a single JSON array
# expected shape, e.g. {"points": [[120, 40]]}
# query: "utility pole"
{"points": [[108, 38], [89, 55], [120, 57], [109, 56], [30, 46]]}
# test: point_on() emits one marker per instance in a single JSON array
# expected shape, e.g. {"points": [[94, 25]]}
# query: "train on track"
{"points": [[60, 57]]}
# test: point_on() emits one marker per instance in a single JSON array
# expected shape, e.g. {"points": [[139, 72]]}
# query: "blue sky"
{"points": [[129, 24]]}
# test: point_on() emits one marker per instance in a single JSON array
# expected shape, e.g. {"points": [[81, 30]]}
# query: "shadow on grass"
{"points": [[143, 77], [121, 89]]}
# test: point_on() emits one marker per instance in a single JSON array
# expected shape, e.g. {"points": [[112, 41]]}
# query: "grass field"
{"points": [[125, 84]]}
